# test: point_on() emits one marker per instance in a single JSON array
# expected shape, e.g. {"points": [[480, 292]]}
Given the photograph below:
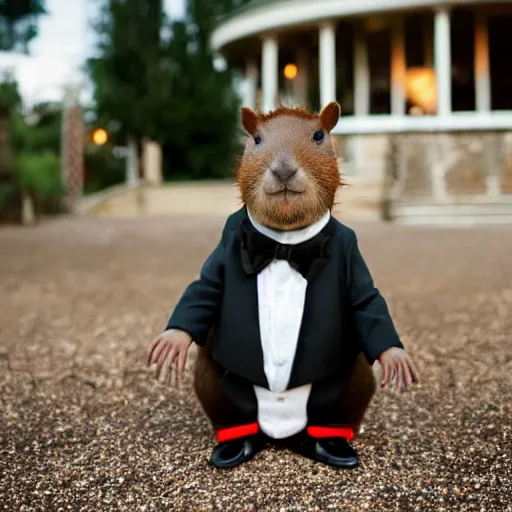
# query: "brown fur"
{"points": [[214, 402], [286, 140], [298, 112], [356, 394], [249, 121]]}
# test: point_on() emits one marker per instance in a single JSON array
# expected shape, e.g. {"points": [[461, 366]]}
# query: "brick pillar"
{"points": [[72, 150]]}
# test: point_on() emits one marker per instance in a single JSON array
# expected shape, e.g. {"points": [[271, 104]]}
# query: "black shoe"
{"points": [[233, 453], [334, 451]]}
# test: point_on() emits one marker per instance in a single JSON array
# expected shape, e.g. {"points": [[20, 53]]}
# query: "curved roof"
{"points": [[253, 4], [260, 16]]}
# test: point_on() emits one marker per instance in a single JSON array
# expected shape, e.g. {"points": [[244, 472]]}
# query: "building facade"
{"points": [[425, 89]]}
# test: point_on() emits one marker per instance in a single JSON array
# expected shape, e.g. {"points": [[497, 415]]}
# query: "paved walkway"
{"points": [[84, 427], [216, 198]]}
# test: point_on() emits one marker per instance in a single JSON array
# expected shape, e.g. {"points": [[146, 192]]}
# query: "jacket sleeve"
{"points": [[198, 306], [373, 322]]}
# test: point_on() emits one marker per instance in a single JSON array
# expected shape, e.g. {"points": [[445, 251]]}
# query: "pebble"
{"points": [[83, 425]]}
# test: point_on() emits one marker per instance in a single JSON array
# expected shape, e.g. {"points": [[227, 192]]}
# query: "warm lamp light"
{"points": [[99, 136], [421, 88], [291, 71], [374, 24]]}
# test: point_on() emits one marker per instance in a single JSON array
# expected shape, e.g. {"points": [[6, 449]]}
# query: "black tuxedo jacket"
{"points": [[344, 313]]}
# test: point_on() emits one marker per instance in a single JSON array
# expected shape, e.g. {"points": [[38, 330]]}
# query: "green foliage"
{"points": [[39, 173], [167, 88], [18, 26], [8, 194], [44, 135], [35, 162], [18, 23], [199, 116], [10, 97], [126, 73], [102, 169]]}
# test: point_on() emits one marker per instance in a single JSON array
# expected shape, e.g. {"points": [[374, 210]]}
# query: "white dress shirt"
{"points": [[281, 297]]}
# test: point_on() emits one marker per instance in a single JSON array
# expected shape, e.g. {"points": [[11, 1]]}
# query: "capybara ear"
{"points": [[249, 121], [330, 115]]}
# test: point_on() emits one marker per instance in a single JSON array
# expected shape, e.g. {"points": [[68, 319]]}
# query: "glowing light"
{"points": [[421, 88], [99, 136], [374, 24], [291, 71]]}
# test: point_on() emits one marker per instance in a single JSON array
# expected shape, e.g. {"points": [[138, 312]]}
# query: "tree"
{"points": [[18, 26], [18, 23], [199, 107], [9, 99], [204, 104], [9, 93], [167, 89], [126, 71], [29, 155]]}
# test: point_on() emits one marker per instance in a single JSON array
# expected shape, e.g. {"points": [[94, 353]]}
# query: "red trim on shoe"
{"points": [[229, 433], [319, 432]]}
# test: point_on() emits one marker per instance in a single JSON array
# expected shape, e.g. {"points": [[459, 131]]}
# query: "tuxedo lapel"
{"points": [[319, 263], [244, 319], [315, 268]]}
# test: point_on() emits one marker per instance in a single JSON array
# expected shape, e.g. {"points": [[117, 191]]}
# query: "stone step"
{"points": [[453, 214], [213, 198]]}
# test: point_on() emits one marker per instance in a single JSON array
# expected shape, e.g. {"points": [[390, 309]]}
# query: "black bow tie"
{"points": [[258, 250]]}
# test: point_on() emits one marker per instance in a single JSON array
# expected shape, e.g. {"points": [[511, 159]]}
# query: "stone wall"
{"points": [[444, 167], [363, 169]]}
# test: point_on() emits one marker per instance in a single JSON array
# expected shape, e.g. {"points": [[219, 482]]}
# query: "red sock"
{"points": [[319, 432], [229, 433]]}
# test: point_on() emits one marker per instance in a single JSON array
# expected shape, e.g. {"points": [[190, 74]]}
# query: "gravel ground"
{"points": [[85, 427]]}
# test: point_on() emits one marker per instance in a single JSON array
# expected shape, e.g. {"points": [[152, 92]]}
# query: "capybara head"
{"points": [[289, 173]]}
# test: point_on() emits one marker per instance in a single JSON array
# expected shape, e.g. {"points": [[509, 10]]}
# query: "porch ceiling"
{"points": [[261, 16], [290, 38]]}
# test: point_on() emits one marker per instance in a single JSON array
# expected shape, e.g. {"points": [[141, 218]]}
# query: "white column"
{"points": [[300, 84], [361, 94], [398, 68], [132, 163], [269, 73], [327, 45], [482, 68], [443, 61], [152, 158], [251, 83], [361, 73]]}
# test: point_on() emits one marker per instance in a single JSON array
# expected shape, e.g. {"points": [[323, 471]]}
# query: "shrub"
{"points": [[10, 202], [101, 168], [39, 175]]}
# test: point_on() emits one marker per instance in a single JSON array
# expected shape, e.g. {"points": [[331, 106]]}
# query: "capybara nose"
{"points": [[284, 174]]}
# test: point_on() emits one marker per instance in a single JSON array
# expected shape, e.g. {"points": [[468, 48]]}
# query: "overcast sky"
{"points": [[64, 41]]}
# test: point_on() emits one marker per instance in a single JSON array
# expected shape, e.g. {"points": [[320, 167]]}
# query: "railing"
{"points": [[455, 122]]}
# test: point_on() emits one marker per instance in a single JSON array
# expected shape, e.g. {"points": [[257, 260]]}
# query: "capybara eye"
{"points": [[257, 140], [318, 136]]}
